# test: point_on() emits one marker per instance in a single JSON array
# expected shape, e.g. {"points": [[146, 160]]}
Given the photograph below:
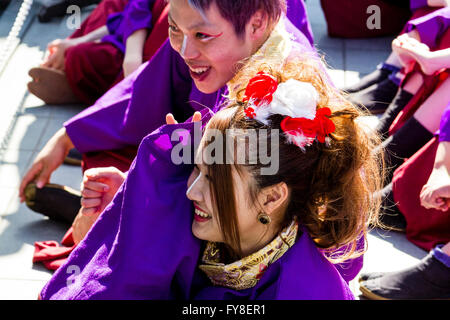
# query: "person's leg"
{"points": [[430, 112], [381, 73], [403, 96], [418, 130], [429, 279], [390, 217], [91, 69]]}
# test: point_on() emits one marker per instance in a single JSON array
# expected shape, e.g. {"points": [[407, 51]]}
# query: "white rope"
{"points": [[13, 40]]}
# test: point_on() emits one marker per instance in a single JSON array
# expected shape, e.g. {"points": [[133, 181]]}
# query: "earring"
{"points": [[264, 218]]}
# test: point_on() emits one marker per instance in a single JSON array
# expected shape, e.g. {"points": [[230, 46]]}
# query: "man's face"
{"points": [[208, 44]]}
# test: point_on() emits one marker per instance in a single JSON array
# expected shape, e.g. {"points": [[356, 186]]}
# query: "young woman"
{"points": [[265, 235]]}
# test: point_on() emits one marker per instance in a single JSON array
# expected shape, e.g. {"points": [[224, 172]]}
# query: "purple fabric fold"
{"points": [[431, 27], [444, 130], [136, 15], [417, 4]]}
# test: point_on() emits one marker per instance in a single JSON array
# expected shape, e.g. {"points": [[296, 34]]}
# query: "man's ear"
{"points": [[274, 197], [258, 24]]}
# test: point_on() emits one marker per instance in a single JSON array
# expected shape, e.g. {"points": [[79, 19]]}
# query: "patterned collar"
{"points": [[246, 273]]}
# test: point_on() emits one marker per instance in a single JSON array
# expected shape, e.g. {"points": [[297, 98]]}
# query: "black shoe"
{"points": [[57, 202], [4, 4], [375, 77], [370, 276], [73, 158], [60, 9], [430, 279], [375, 98]]}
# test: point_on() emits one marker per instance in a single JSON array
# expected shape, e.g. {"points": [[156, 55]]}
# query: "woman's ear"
{"points": [[274, 197]]}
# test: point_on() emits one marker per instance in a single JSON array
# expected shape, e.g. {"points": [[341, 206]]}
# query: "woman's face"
{"points": [[206, 224], [208, 44]]}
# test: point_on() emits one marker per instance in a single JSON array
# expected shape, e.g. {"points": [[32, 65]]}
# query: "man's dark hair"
{"points": [[239, 12]]}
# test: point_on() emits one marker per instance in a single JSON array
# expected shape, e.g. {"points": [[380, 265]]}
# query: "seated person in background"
{"points": [[430, 278], [83, 67], [58, 8], [419, 128], [232, 229], [382, 88]]}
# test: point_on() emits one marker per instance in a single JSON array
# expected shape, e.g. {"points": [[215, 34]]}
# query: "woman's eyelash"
{"points": [[173, 28], [207, 176]]}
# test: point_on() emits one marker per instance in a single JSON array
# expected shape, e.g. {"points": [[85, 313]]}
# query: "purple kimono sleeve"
{"points": [[136, 106], [296, 13], [431, 26], [141, 246], [444, 130], [416, 4], [136, 15]]}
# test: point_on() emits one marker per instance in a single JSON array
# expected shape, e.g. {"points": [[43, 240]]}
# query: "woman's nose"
{"points": [[194, 189]]}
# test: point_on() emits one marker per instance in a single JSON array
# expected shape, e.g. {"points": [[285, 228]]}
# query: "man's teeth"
{"points": [[199, 70], [201, 214]]}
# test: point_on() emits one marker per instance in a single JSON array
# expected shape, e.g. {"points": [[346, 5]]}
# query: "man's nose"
{"points": [[188, 50]]}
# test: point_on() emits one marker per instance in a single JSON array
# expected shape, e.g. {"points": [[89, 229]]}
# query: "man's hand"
{"points": [[47, 161], [99, 187]]}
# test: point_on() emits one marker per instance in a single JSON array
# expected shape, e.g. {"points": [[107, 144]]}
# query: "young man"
{"points": [[179, 79]]}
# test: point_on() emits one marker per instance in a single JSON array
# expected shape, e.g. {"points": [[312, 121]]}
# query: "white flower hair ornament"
{"points": [[296, 100]]}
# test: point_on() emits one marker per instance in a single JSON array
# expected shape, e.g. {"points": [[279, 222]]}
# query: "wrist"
{"points": [[64, 139]]}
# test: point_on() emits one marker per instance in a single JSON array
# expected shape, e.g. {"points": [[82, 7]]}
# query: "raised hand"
{"points": [[195, 118]]}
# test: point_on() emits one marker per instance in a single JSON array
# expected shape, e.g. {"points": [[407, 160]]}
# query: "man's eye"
{"points": [[202, 36]]}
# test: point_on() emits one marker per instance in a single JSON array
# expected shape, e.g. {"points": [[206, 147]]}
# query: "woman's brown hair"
{"points": [[331, 185]]}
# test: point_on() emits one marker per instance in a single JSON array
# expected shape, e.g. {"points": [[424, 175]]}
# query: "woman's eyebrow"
{"points": [[171, 19]]}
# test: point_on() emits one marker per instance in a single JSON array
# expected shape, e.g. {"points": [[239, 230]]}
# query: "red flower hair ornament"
{"points": [[297, 100]]}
